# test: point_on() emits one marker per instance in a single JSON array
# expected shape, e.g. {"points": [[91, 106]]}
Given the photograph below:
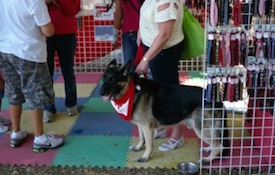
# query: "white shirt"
{"points": [[20, 33], [150, 17]]}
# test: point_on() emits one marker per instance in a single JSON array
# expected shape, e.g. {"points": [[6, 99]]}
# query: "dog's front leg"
{"points": [[140, 144], [148, 134]]}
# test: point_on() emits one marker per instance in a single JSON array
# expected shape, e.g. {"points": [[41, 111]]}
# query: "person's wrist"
{"points": [[145, 59]]}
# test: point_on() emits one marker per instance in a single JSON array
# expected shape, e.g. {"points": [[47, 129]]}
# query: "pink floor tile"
{"points": [[240, 155], [23, 155], [83, 78]]}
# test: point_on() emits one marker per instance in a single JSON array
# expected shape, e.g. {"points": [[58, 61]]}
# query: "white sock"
{"points": [[40, 139]]}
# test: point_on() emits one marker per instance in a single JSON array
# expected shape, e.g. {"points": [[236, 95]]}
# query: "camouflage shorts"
{"points": [[27, 81]]}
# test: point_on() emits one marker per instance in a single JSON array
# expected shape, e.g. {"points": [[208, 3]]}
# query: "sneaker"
{"points": [[5, 120], [47, 116], [17, 138], [171, 144], [47, 142], [72, 111], [3, 128], [160, 133]]}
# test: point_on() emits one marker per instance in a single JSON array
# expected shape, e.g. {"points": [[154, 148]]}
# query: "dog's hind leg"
{"points": [[148, 134], [216, 150], [212, 137], [140, 144], [210, 134]]}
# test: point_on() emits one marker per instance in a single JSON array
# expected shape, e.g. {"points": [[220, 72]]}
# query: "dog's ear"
{"points": [[126, 68], [112, 63]]}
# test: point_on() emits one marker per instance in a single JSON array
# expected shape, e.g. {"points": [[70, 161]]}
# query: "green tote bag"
{"points": [[193, 36]]}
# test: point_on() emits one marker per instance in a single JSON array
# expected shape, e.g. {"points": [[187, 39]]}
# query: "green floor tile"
{"points": [[93, 151], [5, 104], [97, 105]]}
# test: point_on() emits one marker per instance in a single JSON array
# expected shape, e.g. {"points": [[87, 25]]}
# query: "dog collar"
{"points": [[124, 105]]}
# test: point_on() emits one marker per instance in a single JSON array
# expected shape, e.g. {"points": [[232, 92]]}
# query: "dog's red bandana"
{"points": [[124, 105]]}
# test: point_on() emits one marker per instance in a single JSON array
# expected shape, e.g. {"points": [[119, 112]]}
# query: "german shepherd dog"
{"points": [[156, 104]]}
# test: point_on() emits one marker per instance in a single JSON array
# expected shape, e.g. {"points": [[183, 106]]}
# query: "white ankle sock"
{"points": [[40, 139]]}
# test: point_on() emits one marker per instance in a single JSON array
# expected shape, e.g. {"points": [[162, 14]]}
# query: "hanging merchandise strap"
{"points": [[226, 12], [243, 48], [211, 52], [237, 17], [224, 53], [233, 49], [259, 45], [261, 7], [255, 7], [213, 13], [208, 94], [268, 9], [272, 54], [230, 89], [221, 11], [261, 81], [267, 45], [224, 86]]}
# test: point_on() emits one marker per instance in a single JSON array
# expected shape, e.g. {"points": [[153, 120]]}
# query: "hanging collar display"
{"points": [[213, 13], [124, 105], [237, 17], [261, 7]]}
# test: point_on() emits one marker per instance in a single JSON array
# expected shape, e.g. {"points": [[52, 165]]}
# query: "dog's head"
{"points": [[115, 81]]}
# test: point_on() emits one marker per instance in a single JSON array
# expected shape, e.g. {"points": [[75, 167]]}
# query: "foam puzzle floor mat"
{"points": [[96, 137]]}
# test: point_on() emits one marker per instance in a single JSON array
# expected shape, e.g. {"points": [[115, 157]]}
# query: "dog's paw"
{"points": [[141, 159], [134, 148]]}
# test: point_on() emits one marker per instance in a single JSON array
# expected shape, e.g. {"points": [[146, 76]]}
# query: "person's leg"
{"points": [[15, 115], [129, 47], [66, 51], [37, 88], [50, 109], [15, 96], [164, 69], [17, 136], [3, 120], [36, 118]]}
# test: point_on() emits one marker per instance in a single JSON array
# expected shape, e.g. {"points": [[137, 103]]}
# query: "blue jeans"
{"points": [[129, 46], [65, 46]]}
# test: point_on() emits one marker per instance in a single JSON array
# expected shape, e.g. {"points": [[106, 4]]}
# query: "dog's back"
{"points": [[170, 103]]}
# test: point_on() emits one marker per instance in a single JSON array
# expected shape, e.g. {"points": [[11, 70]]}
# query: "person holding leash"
{"points": [[160, 30]]}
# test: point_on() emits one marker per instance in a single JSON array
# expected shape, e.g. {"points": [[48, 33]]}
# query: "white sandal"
{"points": [[160, 133], [171, 144]]}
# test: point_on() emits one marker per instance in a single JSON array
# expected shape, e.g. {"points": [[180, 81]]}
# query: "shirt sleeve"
{"points": [[169, 13], [40, 13]]}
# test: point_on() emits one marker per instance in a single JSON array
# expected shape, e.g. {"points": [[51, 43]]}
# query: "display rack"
{"points": [[240, 68]]}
